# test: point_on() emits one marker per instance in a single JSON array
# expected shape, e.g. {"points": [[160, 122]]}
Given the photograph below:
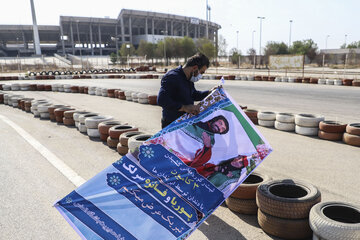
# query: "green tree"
{"points": [[124, 51], [188, 47], [146, 48], [354, 45], [235, 54], [113, 58], [275, 48], [206, 47], [306, 47]]}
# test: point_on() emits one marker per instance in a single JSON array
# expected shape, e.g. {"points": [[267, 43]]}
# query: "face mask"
{"points": [[195, 79]]}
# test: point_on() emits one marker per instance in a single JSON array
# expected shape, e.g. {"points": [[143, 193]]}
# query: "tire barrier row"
{"points": [[123, 137], [337, 82], [139, 97], [292, 209], [307, 125]]}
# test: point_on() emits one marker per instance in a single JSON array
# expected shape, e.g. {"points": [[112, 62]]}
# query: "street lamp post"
{"points": [[290, 33], [128, 47], [323, 61], [261, 18], [78, 35], [165, 33], [237, 41], [345, 39], [252, 47]]}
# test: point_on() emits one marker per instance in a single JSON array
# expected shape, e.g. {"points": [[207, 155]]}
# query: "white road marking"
{"points": [[47, 154]]}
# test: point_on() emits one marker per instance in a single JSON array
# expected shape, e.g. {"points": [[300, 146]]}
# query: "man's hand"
{"points": [[192, 109], [213, 89], [206, 139]]}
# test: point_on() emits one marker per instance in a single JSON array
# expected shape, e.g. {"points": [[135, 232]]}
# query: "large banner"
{"points": [[174, 181], [286, 61]]}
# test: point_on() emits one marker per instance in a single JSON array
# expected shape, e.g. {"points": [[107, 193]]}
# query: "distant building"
{"points": [[101, 36]]}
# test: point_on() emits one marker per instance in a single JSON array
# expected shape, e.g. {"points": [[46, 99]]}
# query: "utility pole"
{"points": [[290, 34], [261, 18]]}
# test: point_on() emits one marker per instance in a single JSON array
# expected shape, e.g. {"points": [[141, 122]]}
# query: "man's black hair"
{"points": [[199, 60], [205, 126], [221, 117]]}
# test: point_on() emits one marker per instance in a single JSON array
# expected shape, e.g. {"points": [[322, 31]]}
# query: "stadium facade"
{"points": [[101, 36]]}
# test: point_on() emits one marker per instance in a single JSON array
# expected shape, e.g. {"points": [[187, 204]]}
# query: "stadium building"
{"points": [[101, 36]]}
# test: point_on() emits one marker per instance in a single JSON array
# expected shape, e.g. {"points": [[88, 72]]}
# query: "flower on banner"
{"points": [[147, 152], [113, 179], [119, 162], [68, 200]]}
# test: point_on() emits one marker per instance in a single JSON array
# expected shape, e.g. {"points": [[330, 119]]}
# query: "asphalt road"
{"points": [[30, 184]]}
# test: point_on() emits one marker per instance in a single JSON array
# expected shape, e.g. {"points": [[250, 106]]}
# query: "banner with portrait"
{"points": [[174, 181]]}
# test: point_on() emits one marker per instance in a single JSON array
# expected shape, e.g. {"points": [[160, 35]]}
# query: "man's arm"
{"points": [[168, 88]]}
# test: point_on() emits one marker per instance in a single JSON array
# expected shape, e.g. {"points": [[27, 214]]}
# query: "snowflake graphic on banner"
{"points": [[68, 200], [147, 152]]}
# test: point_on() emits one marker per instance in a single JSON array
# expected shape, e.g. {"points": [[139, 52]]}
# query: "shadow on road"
{"points": [[214, 228]]}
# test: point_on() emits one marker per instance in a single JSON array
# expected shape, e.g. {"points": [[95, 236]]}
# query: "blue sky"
{"points": [[311, 18]]}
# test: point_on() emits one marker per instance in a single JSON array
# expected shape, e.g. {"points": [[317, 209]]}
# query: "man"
{"points": [[177, 92]]}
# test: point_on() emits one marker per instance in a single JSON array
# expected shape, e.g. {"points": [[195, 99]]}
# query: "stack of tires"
{"points": [[122, 95], [82, 127], [285, 122], [68, 119], [322, 81], [34, 105], [92, 124], [116, 131], [135, 142], [51, 112], [15, 87], [252, 114], [67, 88], [352, 134], [335, 220], [347, 82], [331, 130], [27, 104], [143, 98], [307, 124], [98, 91], [266, 119], [59, 113], [60, 88], [284, 207], [111, 93], [134, 96], [128, 95], [92, 90], [123, 147], [152, 99], [243, 199], [1, 97], [76, 117], [104, 92], [104, 129], [74, 89], [43, 110]]}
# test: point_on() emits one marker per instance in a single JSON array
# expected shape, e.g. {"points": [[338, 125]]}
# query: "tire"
{"points": [[152, 99], [116, 131], [247, 190], [251, 113], [353, 128], [44, 108], [93, 132], [68, 121], [105, 126], [255, 121], [244, 206], [332, 127], [267, 116], [136, 141], [111, 142], [308, 120], [351, 139], [285, 117], [70, 114], [142, 95], [284, 228], [338, 82], [82, 128], [329, 81], [335, 220], [84, 116], [287, 198], [44, 115], [306, 131], [266, 123], [288, 127], [129, 99], [93, 122], [143, 100], [122, 150], [52, 108], [322, 81], [330, 136], [124, 138], [103, 137], [78, 114], [128, 93], [59, 112]]}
